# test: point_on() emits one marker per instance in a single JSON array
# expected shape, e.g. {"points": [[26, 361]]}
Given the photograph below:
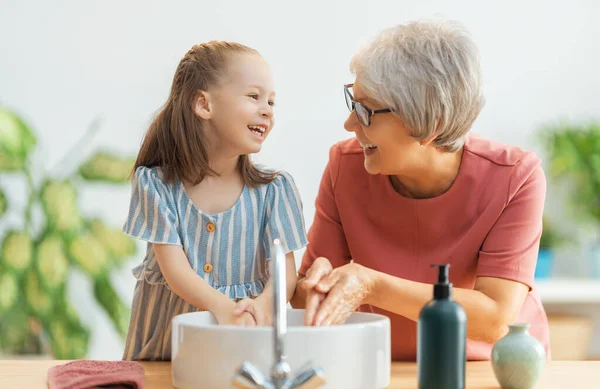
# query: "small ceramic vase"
{"points": [[518, 358]]}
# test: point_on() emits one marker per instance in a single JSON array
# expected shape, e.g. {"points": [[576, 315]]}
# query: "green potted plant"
{"points": [[550, 240], [37, 254], [573, 152]]}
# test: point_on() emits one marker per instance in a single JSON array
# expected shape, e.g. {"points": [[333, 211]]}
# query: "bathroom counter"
{"points": [[557, 375]]}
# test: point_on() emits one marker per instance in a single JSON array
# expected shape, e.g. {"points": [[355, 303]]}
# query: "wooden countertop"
{"points": [[557, 375]]}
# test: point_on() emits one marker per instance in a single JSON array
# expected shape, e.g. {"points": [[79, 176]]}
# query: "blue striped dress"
{"points": [[236, 243]]}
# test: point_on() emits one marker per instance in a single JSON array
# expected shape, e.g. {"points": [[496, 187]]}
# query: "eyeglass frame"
{"points": [[370, 112]]}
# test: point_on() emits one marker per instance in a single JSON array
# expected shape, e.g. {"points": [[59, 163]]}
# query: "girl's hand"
{"points": [[225, 315], [346, 288], [260, 308]]}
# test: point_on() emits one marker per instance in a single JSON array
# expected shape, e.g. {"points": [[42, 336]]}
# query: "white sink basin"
{"points": [[355, 355]]}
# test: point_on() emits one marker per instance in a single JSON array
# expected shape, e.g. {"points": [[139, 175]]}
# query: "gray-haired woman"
{"points": [[414, 188]]}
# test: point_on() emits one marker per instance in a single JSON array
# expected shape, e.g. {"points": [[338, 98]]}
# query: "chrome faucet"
{"points": [[248, 376]]}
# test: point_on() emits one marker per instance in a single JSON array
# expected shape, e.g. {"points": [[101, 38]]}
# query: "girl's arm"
{"points": [[267, 295], [192, 288]]}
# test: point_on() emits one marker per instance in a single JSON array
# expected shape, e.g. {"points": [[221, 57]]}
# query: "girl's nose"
{"points": [[266, 110]]}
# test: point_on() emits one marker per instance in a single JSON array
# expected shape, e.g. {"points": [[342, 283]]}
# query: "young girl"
{"points": [[208, 214]]}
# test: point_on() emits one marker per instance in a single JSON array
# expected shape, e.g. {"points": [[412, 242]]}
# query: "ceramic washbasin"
{"points": [[355, 355]]}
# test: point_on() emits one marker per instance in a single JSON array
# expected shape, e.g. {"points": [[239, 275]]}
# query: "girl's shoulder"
{"points": [[152, 178]]}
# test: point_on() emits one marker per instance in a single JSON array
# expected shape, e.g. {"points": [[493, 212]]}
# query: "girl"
{"points": [[208, 214]]}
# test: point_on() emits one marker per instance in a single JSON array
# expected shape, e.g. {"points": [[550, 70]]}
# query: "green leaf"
{"points": [[16, 141], [52, 263], [17, 250], [15, 335], [69, 337], [38, 300], [59, 201], [112, 304], [119, 245], [10, 163], [108, 167], [574, 161], [89, 254], [3, 203], [9, 291]]}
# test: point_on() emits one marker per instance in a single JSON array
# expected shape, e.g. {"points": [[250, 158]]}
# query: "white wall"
{"points": [[64, 63]]}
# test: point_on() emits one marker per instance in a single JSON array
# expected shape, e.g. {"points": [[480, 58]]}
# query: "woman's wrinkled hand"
{"points": [[320, 268], [346, 288]]}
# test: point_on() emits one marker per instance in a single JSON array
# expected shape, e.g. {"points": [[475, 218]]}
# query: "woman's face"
{"points": [[387, 145]]}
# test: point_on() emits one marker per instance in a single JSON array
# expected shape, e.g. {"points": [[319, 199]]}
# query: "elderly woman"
{"points": [[414, 188]]}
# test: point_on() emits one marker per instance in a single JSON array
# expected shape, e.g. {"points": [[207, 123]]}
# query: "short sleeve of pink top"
{"points": [[488, 224]]}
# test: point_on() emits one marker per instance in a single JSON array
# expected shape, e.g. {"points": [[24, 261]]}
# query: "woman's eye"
{"points": [[254, 96], [272, 103]]}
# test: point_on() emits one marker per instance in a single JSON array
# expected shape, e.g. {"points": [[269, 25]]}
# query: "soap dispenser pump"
{"points": [[442, 338]]}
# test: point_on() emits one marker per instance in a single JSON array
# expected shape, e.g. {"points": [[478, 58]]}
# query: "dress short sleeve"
{"points": [[284, 217], [511, 247], [152, 213]]}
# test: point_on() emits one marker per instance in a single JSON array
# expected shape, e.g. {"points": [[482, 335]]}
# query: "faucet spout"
{"points": [[248, 376]]}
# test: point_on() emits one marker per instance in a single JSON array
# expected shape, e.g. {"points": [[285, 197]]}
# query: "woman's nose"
{"points": [[351, 124]]}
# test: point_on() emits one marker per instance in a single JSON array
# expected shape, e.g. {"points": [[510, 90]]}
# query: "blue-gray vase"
{"points": [[518, 358]]}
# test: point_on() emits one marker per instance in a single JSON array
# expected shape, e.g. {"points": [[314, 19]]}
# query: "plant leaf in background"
{"points": [[119, 245], [17, 250], [59, 201], [51, 262], [16, 141], [3, 203], [35, 315], [112, 304], [574, 155], [89, 254], [104, 166]]}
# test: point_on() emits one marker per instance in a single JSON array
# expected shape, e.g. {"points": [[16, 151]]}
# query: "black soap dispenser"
{"points": [[442, 338]]}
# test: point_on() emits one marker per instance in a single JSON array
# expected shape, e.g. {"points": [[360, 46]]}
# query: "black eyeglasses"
{"points": [[363, 113]]}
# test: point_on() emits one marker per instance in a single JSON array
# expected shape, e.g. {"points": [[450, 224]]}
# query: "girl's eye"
{"points": [[272, 103], [254, 96]]}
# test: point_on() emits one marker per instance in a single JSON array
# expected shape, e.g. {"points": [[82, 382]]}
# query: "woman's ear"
{"points": [[202, 106], [427, 141]]}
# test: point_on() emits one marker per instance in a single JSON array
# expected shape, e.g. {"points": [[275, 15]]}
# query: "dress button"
{"points": [[208, 268], [211, 227]]}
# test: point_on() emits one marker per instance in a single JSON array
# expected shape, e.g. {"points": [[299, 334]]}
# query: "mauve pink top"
{"points": [[487, 224]]}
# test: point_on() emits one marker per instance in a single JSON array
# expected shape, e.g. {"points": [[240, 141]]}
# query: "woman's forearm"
{"points": [[485, 320]]}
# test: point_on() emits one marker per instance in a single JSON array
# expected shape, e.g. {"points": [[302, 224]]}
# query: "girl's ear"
{"points": [[202, 106]]}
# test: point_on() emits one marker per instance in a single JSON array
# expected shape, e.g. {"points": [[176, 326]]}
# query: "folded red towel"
{"points": [[86, 374]]}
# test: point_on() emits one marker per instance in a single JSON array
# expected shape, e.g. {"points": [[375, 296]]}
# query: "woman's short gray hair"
{"points": [[428, 73]]}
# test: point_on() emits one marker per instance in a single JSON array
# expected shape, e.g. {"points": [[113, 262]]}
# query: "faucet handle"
{"points": [[309, 377], [249, 377]]}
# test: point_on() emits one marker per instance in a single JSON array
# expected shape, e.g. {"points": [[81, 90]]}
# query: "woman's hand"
{"points": [[225, 314], [347, 287], [260, 308], [320, 268]]}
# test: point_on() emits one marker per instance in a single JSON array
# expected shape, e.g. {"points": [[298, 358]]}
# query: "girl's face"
{"points": [[387, 144], [239, 110]]}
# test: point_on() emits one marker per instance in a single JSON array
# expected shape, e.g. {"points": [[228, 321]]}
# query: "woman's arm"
{"points": [[490, 306], [192, 288]]}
